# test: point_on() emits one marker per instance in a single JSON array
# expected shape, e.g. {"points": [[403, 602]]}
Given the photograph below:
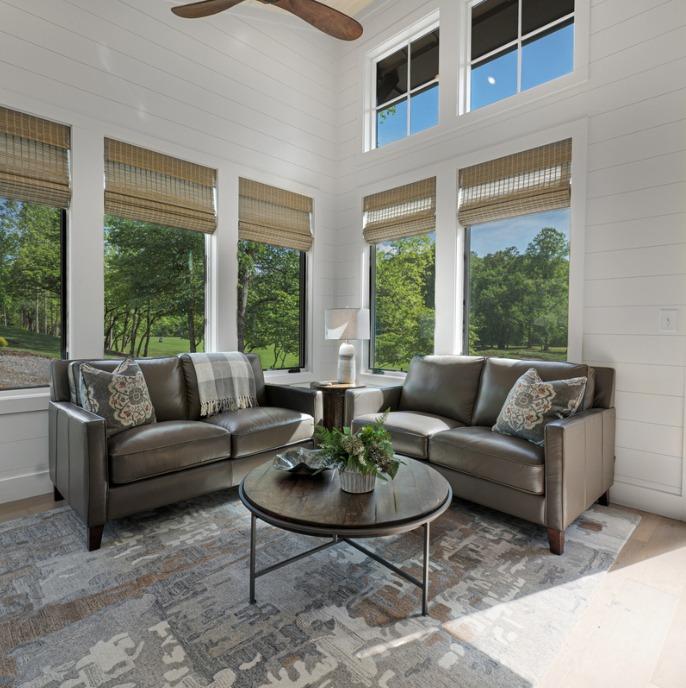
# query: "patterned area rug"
{"points": [[164, 602]]}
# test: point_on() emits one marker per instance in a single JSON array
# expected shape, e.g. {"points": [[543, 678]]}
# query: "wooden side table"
{"points": [[334, 402]]}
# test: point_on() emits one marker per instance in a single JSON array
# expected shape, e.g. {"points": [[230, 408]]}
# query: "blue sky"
{"points": [[517, 231], [424, 110], [545, 58], [424, 115]]}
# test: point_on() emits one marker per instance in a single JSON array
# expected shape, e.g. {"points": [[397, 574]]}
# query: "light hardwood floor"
{"points": [[632, 634]]}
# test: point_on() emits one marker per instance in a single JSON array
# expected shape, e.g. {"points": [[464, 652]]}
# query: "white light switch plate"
{"points": [[669, 320]]}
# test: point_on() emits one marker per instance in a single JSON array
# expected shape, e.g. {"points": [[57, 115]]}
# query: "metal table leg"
{"points": [[423, 585], [425, 578], [253, 535]]}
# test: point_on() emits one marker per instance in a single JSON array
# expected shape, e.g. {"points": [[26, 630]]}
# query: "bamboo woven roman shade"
{"points": [[274, 216], [533, 181], [150, 187], [401, 212], [34, 159]]}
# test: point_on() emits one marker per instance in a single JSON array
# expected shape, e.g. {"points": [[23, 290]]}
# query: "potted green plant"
{"points": [[360, 457]]}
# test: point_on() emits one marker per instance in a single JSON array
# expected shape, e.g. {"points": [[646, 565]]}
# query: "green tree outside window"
{"points": [[404, 301], [269, 304], [31, 327], [154, 289]]}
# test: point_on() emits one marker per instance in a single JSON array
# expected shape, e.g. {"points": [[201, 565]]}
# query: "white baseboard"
{"points": [[23, 486], [645, 499]]}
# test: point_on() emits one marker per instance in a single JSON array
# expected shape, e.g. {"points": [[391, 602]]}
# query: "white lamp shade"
{"points": [[347, 323]]}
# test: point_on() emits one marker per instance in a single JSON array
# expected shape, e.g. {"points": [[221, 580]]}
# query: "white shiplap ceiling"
{"points": [[351, 7]]}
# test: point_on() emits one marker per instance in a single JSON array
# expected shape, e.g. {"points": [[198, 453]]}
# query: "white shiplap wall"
{"points": [[627, 106], [249, 93]]}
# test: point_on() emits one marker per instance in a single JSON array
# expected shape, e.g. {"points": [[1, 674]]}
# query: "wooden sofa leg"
{"points": [[57, 495], [605, 499], [556, 538], [94, 537]]}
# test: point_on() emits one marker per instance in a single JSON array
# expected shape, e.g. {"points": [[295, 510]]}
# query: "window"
{"points": [[399, 224], [271, 304], [275, 234], [406, 100], [518, 287], [516, 213], [34, 194], [158, 209], [517, 45], [403, 301], [154, 289], [32, 292]]}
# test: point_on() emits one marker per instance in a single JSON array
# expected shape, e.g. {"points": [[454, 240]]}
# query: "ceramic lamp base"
{"points": [[347, 374]]}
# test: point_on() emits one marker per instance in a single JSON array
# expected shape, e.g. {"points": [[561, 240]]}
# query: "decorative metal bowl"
{"points": [[301, 461]]}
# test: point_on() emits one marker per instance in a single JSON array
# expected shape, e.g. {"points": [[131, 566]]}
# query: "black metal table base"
{"points": [[423, 584]]}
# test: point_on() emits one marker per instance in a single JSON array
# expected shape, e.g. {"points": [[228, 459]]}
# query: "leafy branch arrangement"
{"points": [[368, 451]]}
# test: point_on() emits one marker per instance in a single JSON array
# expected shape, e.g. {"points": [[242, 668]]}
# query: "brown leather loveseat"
{"points": [[444, 413], [178, 457]]}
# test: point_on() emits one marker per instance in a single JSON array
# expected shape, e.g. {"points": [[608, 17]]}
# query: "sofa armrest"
{"points": [[366, 400], [310, 401], [78, 459], [579, 464]]}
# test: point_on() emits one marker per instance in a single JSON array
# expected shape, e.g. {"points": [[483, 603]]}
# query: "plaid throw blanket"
{"points": [[226, 382]]}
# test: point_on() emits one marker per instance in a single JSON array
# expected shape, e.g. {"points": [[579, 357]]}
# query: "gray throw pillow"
{"points": [[532, 404], [120, 397]]}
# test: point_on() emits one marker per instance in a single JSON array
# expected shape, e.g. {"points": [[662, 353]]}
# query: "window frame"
{"points": [[518, 43], [414, 33], [64, 267], [302, 314], [372, 315]]}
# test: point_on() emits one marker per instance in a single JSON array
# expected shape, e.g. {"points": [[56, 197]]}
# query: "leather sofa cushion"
{"points": [[260, 429], [410, 430], [488, 455], [499, 377], [443, 385], [152, 450], [164, 377], [192, 396]]}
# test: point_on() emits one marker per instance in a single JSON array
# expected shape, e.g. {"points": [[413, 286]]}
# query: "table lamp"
{"points": [[346, 324]]}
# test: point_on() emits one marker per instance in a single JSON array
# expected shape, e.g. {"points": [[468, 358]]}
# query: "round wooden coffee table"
{"points": [[317, 506]]}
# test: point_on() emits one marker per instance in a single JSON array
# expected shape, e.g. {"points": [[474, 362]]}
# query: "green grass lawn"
{"points": [[22, 340], [168, 346]]}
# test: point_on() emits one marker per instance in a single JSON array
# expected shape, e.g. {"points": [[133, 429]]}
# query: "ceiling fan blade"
{"points": [[324, 18], [205, 8]]}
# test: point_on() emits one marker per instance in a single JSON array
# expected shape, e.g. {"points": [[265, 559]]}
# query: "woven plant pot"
{"points": [[356, 483]]}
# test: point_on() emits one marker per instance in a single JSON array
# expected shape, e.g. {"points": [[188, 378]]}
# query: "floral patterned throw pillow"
{"points": [[120, 397], [532, 404]]}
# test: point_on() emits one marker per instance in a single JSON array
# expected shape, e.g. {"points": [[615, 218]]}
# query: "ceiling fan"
{"points": [[321, 16]]}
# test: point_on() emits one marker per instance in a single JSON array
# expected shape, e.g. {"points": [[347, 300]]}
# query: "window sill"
{"points": [[284, 378], [465, 122], [386, 380], [24, 401], [550, 90]]}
